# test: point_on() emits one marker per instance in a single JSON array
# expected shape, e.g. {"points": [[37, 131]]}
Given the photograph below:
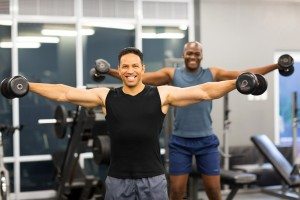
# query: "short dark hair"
{"points": [[128, 50]]}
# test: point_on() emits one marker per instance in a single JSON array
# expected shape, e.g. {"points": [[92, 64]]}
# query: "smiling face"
{"points": [[192, 55], [131, 70]]}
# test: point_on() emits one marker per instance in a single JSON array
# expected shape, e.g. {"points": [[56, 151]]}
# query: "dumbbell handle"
{"points": [[53, 121], [98, 117]]}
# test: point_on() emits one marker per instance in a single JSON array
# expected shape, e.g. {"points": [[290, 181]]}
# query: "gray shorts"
{"points": [[136, 189]]}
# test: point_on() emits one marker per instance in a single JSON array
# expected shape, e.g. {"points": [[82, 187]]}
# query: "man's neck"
{"points": [[133, 90]]}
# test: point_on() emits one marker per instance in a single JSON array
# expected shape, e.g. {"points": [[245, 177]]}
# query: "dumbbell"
{"points": [[249, 83], [100, 68], [286, 65], [14, 87]]}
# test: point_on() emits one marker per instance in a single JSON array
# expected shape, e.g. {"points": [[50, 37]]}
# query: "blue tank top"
{"points": [[193, 120]]}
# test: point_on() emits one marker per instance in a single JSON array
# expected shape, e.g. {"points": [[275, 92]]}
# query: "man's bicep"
{"points": [[184, 96], [100, 95]]}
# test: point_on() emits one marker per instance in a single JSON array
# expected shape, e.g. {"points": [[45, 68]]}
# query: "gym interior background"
{"points": [[236, 34]]}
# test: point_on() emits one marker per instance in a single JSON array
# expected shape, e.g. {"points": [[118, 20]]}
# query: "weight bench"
{"points": [[289, 174], [234, 179]]}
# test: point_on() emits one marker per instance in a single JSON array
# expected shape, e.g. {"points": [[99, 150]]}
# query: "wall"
{"points": [[237, 34]]}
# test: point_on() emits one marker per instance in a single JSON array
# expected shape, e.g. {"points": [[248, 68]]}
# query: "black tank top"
{"points": [[134, 124]]}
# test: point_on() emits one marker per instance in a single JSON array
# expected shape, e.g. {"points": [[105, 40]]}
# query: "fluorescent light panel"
{"points": [[111, 24], [41, 39], [29, 45], [67, 33], [163, 35], [5, 22]]}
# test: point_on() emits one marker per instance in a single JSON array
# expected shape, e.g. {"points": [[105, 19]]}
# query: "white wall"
{"points": [[237, 34]]}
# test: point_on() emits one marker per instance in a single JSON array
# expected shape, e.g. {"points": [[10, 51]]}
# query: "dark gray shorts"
{"points": [[136, 189]]}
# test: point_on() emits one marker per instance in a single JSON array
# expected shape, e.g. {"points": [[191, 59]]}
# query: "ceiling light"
{"points": [[163, 35], [5, 22], [29, 45], [68, 33], [41, 39], [111, 24], [183, 27]]}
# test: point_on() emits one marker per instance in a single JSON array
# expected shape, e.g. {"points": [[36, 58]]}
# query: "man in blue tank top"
{"points": [[134, 114], [192, 131]]}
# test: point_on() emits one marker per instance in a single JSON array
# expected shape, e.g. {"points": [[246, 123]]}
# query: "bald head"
{"points": [[192, 54], [192, 44]]}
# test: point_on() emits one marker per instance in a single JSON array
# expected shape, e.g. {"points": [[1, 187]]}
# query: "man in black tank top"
{"points": [[192, 128], [134, 115]]}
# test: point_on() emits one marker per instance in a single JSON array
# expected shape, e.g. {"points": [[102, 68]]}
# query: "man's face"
{"points": [[192, 55], [131, 70]]}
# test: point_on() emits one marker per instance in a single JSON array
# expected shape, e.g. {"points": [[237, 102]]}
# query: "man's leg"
{"points": [[208, 164], [212, 186], [152, 188], [180, 158], [178, 185], [121, 189]]}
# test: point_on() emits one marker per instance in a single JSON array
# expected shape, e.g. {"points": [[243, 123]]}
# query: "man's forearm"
{"points": [[215, 90], [114, 73], [263, 70]]}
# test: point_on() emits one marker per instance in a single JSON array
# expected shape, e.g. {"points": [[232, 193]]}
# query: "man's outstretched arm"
{"points": [[184, 96], [63, 93], [220, 74]]}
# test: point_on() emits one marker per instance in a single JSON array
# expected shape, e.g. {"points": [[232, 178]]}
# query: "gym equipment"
{"points": [[286, 65], [101, 149], [249, 83], [226, 123], [96, 76], [295, 122], [4, 175], [16, 86], [263, 85], [281, 165], [69, 174], [101, 66], [62, 120], [235, 179]]}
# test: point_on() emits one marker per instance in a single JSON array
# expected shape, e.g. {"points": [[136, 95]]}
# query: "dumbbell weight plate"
{"points": [[4, 89], [95, 76], [287, 71], [18, 86], [262, 85], [285, 61], [102, 66], [246, 83], [60, 127], [101, 149]]}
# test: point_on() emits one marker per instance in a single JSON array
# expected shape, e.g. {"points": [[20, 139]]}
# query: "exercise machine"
{"points": [[4, 175]]}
